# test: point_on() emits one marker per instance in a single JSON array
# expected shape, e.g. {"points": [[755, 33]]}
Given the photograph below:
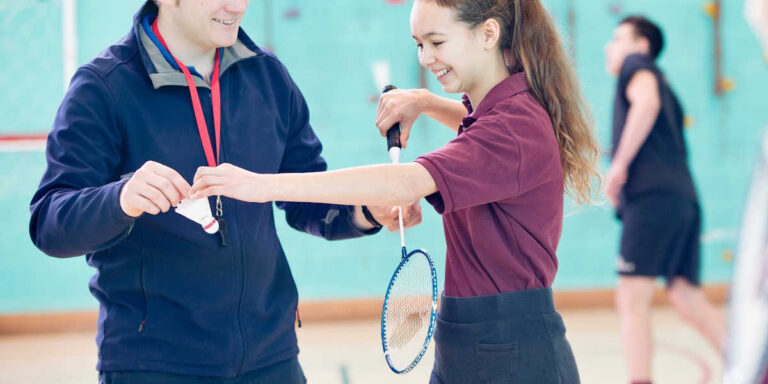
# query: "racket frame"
{"points": [[432, 317]]}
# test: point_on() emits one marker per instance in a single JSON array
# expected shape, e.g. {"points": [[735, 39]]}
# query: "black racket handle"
{"points": [[393, 133]]}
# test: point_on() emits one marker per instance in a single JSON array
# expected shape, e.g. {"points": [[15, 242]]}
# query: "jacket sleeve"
{"points": [[302, 154], [76, 208]]}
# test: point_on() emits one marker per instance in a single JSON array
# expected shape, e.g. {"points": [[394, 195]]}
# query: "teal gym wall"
{"points": [[329, 46]]}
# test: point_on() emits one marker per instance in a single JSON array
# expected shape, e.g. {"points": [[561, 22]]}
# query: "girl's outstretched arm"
{"points": [[391, 184]]}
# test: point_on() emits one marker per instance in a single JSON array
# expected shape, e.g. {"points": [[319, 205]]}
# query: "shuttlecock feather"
{"points": [[199, 211]]}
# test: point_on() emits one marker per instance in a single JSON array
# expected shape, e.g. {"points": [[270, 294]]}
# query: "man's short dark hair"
{"points": [[649, 30]]}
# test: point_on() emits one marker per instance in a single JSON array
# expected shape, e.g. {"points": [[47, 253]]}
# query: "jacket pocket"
{"points": [[497, 363], [190, 309]]}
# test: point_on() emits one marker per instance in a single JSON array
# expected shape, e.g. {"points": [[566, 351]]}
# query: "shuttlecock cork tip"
{"points": [[212, 227]]}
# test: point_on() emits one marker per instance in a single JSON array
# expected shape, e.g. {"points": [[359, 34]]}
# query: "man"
{"points": [[178, 305], [651, 187]]}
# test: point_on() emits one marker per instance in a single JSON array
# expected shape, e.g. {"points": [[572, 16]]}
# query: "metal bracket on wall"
{"points": [[572, 29], [714, 10], [268, 26]]}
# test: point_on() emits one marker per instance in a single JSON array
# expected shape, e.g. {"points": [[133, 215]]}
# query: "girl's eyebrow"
{"points": [[428, 34]]}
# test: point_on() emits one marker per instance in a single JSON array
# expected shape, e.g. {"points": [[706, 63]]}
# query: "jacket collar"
{"points": [[158, 62]]}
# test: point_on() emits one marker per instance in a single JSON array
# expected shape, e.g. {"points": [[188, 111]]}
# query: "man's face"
{"points": [[208, 24], [623, 44]]}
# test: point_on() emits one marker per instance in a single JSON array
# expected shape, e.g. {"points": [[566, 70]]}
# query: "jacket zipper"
{"points": [[240, 301], [143, 285]]}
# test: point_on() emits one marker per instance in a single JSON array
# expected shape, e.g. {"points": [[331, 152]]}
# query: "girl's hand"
{"points": [[228, 180], [400, 106]]}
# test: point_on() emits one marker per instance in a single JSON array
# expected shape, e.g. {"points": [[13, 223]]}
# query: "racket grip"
{"points": [[393, 134]]}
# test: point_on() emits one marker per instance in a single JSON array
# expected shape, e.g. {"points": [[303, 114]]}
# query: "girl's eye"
{"points": [[437, 43], [420, 46]]}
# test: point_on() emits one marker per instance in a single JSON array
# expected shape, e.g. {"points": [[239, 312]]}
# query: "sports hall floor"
{"points": [[350, 353]]}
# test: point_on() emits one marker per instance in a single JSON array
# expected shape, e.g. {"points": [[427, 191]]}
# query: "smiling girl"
{"points": [[499, 185]]}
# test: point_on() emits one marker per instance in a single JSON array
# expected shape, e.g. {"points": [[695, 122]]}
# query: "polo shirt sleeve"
{"points": [[480, 166]]}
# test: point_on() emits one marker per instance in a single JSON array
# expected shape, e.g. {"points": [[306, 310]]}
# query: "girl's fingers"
{"points": [[206, 181]]}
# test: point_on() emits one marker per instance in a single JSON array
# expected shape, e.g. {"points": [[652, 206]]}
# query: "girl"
{"points": [[499, 184]]}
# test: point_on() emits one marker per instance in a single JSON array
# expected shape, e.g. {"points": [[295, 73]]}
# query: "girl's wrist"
{"points": [[426, 101], [260, 184]]}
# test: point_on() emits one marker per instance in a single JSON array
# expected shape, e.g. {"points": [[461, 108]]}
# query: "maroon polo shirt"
{"points": [[500, 191]]}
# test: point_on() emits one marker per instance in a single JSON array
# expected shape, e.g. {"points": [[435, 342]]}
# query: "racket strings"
{"points": [[409, 311]]}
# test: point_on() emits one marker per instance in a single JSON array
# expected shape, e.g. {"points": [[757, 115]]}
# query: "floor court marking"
{"points": [[344, 373], [700, 362]]}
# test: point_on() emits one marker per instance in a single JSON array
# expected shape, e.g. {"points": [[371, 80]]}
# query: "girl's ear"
{"points": [[491, 31]]}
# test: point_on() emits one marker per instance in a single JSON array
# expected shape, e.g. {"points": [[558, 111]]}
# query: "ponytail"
{"points": [[529, 36]]}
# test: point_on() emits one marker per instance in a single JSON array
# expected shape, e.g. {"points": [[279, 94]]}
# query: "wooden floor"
{"points": [[350, 353]]}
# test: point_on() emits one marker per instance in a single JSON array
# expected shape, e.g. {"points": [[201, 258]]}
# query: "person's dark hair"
{"points": [[529, 35], [648, 30]]}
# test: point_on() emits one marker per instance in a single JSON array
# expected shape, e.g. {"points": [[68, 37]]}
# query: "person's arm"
{"points": [[405, 105], [390, 184], [76, 208], [644, 107], [478, 167]]}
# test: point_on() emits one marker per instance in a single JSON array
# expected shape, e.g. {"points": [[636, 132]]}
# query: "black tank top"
{"points": [[661, 165]]}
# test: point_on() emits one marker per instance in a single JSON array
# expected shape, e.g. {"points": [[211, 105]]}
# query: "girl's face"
{"points": [[447, 47]]}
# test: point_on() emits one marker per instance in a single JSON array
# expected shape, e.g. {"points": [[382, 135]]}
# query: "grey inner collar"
{"points": [[167, 75]]}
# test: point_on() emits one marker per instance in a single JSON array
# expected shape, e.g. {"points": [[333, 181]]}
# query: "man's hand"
{"points": [[153, 188], [388, 216], [614, 182]]}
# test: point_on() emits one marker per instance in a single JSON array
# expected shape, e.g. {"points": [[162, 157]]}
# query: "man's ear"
{"points": [[644, 46]]}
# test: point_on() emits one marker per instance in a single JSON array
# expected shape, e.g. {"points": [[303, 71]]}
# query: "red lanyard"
{"points": [[202, 127]]}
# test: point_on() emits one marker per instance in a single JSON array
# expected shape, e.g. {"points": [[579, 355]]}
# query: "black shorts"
{"points": [[660, 237]]}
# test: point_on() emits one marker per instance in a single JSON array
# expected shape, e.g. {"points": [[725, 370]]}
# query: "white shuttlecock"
{"points": [[381, 73], [199, 211]]}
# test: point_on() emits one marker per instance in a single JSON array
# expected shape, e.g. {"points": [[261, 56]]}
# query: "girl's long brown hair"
{"points": [[529, 35]]}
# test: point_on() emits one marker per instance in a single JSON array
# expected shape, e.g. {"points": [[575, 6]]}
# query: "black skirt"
{"points": [[512, 337]]}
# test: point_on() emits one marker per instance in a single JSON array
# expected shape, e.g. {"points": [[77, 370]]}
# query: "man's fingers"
{"points": [[143, 204], [155, 196], [166, 187], [178, 182], [414, 215], [174, 178]]}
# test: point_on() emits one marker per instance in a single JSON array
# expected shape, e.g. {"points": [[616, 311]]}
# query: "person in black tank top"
{"points": [[650, 185]]}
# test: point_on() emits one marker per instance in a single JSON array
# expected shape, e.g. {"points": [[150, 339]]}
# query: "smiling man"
{"points": [[185, 88]]}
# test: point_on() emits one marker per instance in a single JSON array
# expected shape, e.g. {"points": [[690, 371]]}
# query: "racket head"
{"points": [[409, 312]]}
